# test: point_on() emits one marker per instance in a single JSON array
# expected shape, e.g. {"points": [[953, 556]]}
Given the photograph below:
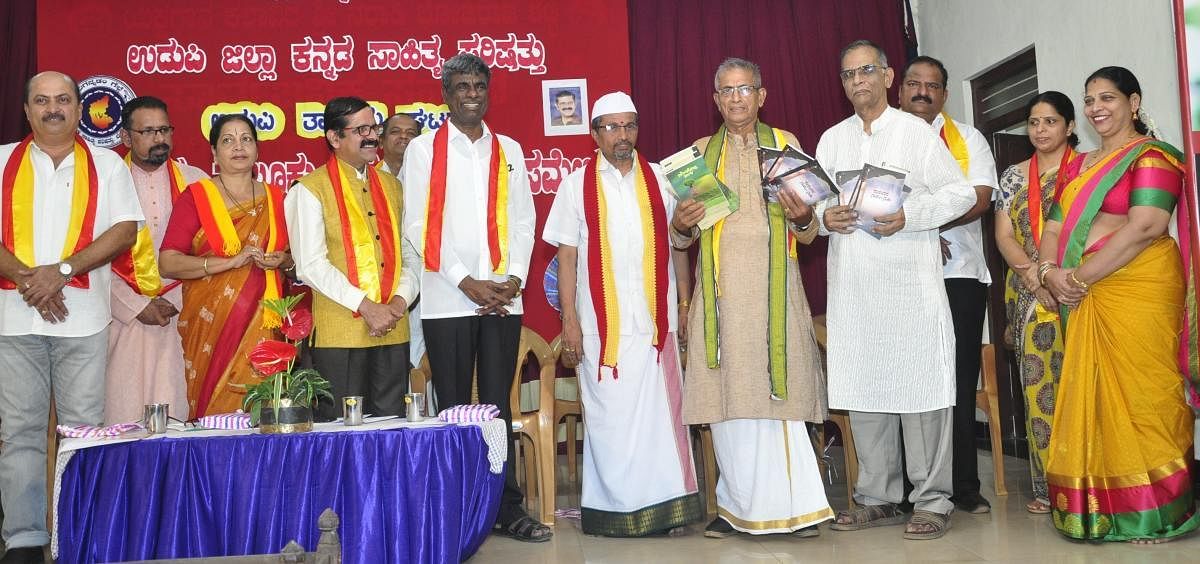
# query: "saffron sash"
{"points": [[956, 143], [497, 215], [1077, 206], [1034, 192], [222, 237], [600, 260], [17, 209], [362, 264], [138, 266], [781, 246]]}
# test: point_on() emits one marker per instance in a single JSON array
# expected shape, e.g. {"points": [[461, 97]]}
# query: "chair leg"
{"points": [[710, 472], [547, 460], [572, 468], [997, 444], [851, 455]]}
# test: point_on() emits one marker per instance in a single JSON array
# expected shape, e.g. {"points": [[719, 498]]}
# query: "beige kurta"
{"points": [[740, 387]]}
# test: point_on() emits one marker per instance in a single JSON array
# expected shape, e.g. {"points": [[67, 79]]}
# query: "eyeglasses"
{"points": [[742, 89], [613, 127], [364, 130], [866, 71], [165, 131], [930, 86]]}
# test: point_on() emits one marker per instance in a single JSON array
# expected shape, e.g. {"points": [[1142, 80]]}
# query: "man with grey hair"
{"points": [[470, 215], [891, 340], [755, 393], [70, 208]]}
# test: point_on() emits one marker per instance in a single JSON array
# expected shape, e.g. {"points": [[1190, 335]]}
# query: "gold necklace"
{"points": [[253, 211], [1101, 156]]}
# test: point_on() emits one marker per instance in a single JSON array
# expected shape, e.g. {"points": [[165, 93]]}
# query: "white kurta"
{"points": [[637, 453], [891, 338], [967, 259]]}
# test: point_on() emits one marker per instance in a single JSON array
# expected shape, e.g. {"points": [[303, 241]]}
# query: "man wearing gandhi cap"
{"points": [[610, 222]]}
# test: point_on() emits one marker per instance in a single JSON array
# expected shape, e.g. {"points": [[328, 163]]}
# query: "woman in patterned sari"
{"points": [[228, 242], [1118, 466], [1032, 312]]}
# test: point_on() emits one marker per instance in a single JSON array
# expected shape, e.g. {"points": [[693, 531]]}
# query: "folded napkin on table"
{"points": [[236, 420], [91, 431], [466, 413]]}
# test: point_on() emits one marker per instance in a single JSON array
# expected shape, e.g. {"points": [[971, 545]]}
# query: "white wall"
{"points": [[1072, 38]]}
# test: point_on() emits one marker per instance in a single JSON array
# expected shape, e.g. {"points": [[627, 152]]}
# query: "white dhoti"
{"points": [[638, 475], [769, 480]]}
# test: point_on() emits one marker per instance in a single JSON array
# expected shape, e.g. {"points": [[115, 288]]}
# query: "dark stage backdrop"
{"points": [[676, 45]]}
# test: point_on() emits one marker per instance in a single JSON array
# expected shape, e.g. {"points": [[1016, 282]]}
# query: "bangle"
{"points": [[1043, 271], [684, 303], [206, 273], [1083, 285]]}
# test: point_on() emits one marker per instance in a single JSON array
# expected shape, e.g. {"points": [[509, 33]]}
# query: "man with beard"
{"points": [[471, 218], [398, 131], [344, 223], [638, 475], [566, 103], [923, 93], [145, 356], [66, 209]]}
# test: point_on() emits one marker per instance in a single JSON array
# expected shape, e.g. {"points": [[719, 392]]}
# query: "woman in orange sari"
{"points": [[1118, 466], [227, 241]]}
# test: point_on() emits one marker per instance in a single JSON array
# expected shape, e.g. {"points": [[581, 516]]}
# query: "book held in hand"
{"points": [[876, 191], [691, 178], [793, 170]]}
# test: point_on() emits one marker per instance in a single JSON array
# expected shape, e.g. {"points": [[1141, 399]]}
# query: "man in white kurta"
{"points": [[638, 475], [891, 340], [145, 355]]}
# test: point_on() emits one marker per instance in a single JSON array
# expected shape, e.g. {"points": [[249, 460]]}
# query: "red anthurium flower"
{"points": [[298, 324], [270, 357]]}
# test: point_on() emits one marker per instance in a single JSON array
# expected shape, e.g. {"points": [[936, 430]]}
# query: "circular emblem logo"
{"points": [[103, 98]]}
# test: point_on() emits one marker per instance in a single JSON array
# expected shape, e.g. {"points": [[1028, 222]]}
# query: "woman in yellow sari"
{"points": [[1118, 466], [227, 241], [1026, 194]]}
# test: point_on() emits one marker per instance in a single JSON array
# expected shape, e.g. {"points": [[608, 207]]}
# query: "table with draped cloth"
{"points": [[405, 492]]}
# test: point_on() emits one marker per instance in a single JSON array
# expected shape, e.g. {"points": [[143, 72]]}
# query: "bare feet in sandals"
{"points": [[927, 525], [1038, 507], [867, 516]]}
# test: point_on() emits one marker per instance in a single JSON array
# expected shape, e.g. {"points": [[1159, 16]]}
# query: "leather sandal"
{"points": [[528, 529], [937, 522], [867, 516]]}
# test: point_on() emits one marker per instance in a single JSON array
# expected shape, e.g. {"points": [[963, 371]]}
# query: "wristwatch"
{"points": [[65, 269], [516, 279]]}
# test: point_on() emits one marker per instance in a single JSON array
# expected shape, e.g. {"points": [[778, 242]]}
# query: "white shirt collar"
{"points": [[456, 132]]}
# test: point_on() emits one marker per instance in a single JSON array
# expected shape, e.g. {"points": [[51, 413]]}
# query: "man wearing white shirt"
{"points": [[470, 216], [923, 93], [638, 474], [67, 209], [344, 223], [891, 339], [398, 131]]}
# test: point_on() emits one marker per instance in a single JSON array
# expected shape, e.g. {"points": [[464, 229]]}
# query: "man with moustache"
{"points": [[566, 104], [66, 209], [398, 131], [145, 355], [344, 223], [638, 475], [471, 217], [923, 93], [754, 370], [891, 338]]}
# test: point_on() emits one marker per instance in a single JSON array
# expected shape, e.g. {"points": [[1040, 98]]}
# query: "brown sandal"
{"points": [[937, 522], [1038, 507], [867, 516]]}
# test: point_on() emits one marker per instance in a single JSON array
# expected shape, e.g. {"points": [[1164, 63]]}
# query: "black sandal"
{"points": [[527, 529]]}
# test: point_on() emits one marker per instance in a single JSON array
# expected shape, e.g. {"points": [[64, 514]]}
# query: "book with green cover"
{"points": [[691, 178]]}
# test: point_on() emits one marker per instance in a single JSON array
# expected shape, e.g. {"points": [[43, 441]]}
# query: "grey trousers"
{"points": [[28, 365], [928, 453]]}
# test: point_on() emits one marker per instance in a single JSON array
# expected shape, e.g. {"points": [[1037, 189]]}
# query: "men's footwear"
{"points": [[808, 532], [972, 503], [719, 529], [24, 555]]}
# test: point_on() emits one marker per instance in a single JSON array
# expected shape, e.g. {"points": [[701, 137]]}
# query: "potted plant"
{"points": [[283, 401]]}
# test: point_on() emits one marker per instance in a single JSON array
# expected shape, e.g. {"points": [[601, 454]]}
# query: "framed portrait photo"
{"points": [[564, 107]]}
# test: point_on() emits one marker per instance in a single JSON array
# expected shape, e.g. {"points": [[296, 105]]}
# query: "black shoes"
{"points": [[972, 503], [24, 555]]}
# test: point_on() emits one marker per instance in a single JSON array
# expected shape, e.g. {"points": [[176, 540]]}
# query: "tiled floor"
{"points": [[1008, 534]]}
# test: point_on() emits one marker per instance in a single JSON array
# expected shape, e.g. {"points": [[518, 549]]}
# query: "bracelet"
{"points": [[206, 273], [684, 303], [1083, 285], [1042, 272]]}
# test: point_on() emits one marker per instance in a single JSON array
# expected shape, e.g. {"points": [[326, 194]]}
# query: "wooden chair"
{"points": [[987, 400], [418, 380], [572, 411], [840, 419], [537, 427], [708, 460]]}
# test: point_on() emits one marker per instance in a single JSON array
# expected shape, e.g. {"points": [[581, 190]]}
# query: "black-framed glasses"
{"points": [[364, 130], [866, 71], [165, 131], [613, 127], [742, 89]]}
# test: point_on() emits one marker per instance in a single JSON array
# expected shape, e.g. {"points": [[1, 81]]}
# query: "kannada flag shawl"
{"points": [[497, 204], [138, 266]]}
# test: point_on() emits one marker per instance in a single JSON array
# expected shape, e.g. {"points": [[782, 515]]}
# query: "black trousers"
{"points": [[968, 305], [378, 374], [459, 347]]}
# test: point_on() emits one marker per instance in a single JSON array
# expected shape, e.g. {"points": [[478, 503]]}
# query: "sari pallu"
{"points": [[1118, 467], [222, 319], [1036, 334]]}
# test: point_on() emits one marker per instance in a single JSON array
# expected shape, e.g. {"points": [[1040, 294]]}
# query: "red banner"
{"points": [[278, 61]]}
